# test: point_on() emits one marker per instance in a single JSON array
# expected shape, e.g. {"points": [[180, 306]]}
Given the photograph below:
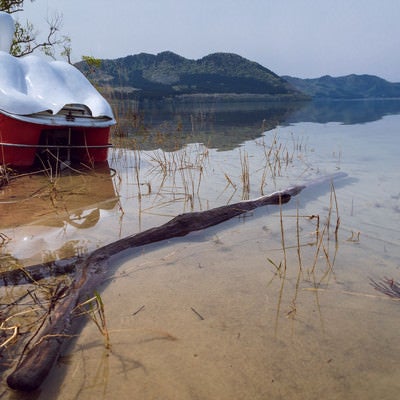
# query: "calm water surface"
{"points": [[270, 305]]}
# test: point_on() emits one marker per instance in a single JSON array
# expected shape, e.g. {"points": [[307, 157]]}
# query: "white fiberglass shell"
{"points": [[31, 84]]}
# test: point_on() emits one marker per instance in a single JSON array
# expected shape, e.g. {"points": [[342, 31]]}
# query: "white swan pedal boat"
{"points": [[48, 108]]}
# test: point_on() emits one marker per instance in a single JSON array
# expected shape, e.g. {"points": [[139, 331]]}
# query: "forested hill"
{"points": [[168, 74], [347, 87]]}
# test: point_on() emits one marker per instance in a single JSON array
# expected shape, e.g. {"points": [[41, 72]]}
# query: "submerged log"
{"points": [[179, 226], [90, 272], [35, 273]]}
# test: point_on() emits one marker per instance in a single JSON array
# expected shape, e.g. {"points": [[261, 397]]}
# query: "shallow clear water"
{"points": [[259, 307]]}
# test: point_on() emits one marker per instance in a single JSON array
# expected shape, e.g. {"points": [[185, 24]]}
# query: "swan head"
{"points": [[7, 29]]}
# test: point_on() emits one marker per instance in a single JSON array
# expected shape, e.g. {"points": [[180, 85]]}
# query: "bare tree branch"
{"points": [[26, 37]]}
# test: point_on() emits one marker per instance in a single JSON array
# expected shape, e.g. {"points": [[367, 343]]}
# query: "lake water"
{"points": [[276, 304]]}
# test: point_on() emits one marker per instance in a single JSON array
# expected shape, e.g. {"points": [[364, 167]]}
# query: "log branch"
{"points": [[35, 273], [90, 272]]}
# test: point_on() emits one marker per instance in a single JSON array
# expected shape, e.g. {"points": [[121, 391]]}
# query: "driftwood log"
{"points": [[90, 272]]}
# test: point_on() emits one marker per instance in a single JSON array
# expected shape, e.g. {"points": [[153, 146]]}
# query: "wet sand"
{"points": [[195, 320]]}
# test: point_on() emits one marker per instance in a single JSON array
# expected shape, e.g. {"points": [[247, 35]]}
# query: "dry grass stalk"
{"points": [[94, 308], [178, 174], [245, 175], [4, 239]]}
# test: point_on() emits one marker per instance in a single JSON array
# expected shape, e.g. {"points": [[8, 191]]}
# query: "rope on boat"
{"points": [[55, 146]]}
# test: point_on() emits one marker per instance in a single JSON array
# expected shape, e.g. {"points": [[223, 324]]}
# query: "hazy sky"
{"points": [[303, 38]]}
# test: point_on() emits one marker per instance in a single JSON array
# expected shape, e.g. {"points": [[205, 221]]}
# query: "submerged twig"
{"points": [[197, 313], [387, 286]]}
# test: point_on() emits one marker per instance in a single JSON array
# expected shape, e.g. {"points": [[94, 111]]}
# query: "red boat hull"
{"points": [[20, 141]]}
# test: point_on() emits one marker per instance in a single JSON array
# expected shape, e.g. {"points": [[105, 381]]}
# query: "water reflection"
{"points": [[72, 198], [170, 125], [345, 112], [41, 216], [222, 126]]}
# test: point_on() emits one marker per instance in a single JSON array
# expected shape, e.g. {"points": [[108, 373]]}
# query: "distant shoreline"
{"points": [[223, 77], [208, 97]]}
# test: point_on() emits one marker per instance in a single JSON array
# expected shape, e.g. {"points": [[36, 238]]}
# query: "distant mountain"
{"points": [[346, 87], [168, 74]]}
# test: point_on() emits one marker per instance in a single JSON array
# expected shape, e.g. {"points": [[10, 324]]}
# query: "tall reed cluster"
{"points": [[308, 254]]}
